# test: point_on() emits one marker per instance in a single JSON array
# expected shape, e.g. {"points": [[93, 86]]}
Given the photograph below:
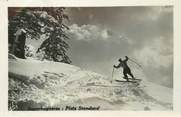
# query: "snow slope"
{"points": [[35, 84]]}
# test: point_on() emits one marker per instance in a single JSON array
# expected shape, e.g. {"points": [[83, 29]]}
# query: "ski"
{"points": [[135, 79], [131, 81], [102, 86]]}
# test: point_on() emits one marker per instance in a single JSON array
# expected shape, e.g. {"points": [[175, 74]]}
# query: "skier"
{"points": [[126, 69]]}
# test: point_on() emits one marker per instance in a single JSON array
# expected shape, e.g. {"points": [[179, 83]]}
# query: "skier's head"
{"points": [[120, 60]]}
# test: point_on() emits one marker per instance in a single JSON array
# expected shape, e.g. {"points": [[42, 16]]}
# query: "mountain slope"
{"points": [[35, 84]]}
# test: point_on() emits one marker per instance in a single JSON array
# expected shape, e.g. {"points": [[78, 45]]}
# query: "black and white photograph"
{"points": [[90, 58]]}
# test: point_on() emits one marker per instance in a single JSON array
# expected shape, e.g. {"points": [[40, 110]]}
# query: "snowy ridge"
{"points": [[35, 83]]}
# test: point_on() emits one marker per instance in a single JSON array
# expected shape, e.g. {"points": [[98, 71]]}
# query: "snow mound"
{"points": [[34, 84]]}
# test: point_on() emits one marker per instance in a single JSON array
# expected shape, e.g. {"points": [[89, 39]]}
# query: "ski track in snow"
{"points": [[51, 84]]}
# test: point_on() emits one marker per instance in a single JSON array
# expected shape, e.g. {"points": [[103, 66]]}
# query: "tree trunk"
{"points": [[18, 45]]}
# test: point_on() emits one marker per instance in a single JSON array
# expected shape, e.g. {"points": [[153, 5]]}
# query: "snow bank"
{"points": [[50, 84], [159, 92]]}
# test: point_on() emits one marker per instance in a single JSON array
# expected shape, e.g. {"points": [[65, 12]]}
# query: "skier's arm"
{"points": [[118, 66], [126, 58]]}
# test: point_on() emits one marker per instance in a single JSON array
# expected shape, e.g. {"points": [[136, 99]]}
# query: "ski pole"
{"points": [[135, 63], [112, 75]]}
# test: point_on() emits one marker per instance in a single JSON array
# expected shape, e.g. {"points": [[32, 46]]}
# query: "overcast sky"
{"points": [[100, 36]]}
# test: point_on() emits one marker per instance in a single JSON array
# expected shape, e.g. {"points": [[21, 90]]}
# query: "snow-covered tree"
{"points": [[35, 22], [29, 50]]}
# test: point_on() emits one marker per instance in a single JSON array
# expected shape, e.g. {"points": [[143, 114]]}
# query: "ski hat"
{"points": [[120, 59]]}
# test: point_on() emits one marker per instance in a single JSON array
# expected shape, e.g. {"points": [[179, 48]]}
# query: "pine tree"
{"points": [[43, 21]]}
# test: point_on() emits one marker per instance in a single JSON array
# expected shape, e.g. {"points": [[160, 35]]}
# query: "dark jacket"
{"points": [[123, 63]]}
